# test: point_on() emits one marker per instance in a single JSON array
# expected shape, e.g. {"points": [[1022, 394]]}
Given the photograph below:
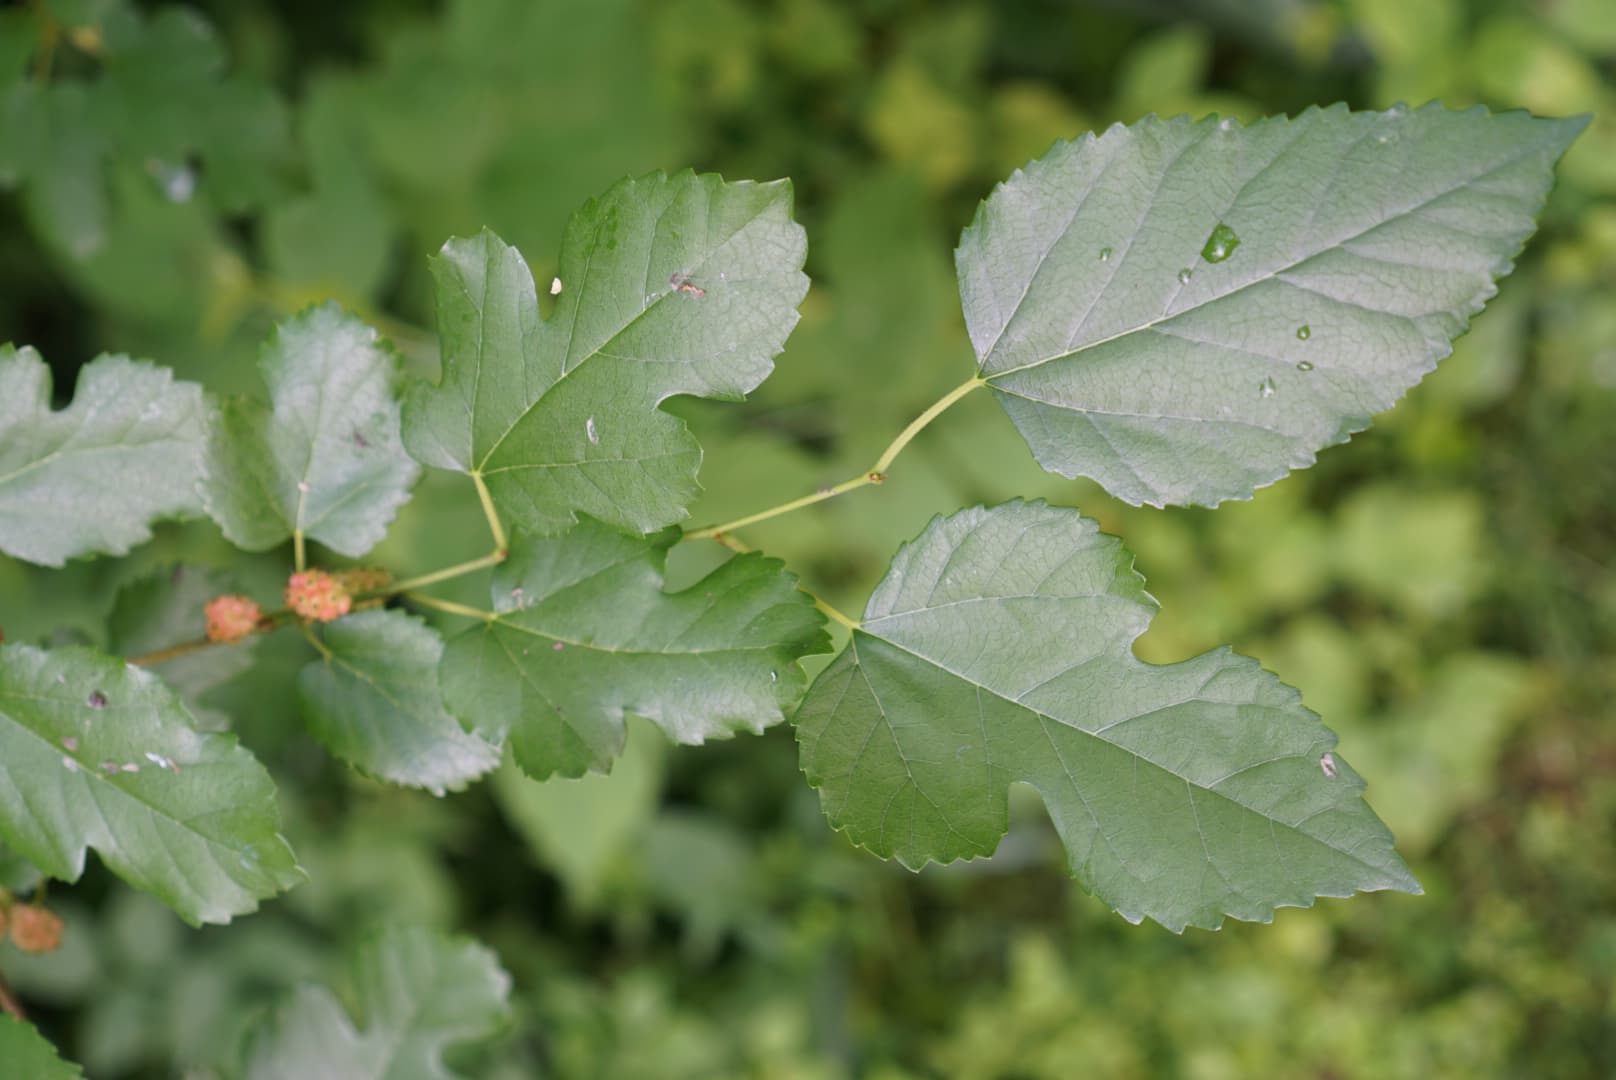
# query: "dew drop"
{"points": [[1267, 387], [589, 430], [1219, 246], [1105, 254], [1304, 365], [774, 676], [177, 182], [1184, 276], [98, 700], [1304, 332]]}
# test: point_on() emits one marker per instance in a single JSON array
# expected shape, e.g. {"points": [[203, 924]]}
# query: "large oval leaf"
{"points": [[998, 649], [1186, 311]]}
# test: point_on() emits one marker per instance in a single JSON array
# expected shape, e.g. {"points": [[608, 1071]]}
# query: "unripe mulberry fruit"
{"points": [[231, 618], [315, 594], [35, 929], [363, 579]]}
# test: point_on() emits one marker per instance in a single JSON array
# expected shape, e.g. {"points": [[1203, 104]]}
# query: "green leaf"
{"points": [[96, 753], [27, 1054], [584, 635], [325, 457], [417, 991], [582, 829], [998, 650], [166, 607], [670, 285], [1187, 311], [91, 478], [374, 702]]}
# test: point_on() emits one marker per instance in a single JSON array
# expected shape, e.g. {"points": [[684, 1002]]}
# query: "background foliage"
{"points": [[1443, 589]]}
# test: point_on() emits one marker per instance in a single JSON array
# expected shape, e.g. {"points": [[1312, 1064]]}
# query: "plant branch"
{"points": [[501, 544], [876, 474], [9, 1002], [822, 605], [449, 606], [493, 558]]}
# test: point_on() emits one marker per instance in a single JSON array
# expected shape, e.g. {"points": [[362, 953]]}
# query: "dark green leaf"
{"points": [[91, 478], [670, 285], [1188, 311], [998, 649], [585, 636]]}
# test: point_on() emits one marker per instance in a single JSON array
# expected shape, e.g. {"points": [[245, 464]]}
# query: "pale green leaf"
{"points": [[91, 478], [1186, 311], [97, 753], [374, 702], [417, 992], [324, 457], [669, 285], [998, 649], [584, 636], [25, 1053]]}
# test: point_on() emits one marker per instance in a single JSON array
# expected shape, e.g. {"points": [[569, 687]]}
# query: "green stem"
{"points": [[449, 606], [493, 558], [314, 639], [875, 474], [819, 602], [501, 544], [299, 556]]}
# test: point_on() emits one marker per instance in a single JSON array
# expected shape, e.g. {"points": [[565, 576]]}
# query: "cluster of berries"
{"points": [[34, 928], [318, 595]]}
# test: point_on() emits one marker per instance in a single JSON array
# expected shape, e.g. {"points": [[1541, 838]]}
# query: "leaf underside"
{"points": [[97, 753], [998, 649], [670, 285], [585, 635], [1186, 311], [26, 1053], [91, 478], [418, 992], [325, 457]]}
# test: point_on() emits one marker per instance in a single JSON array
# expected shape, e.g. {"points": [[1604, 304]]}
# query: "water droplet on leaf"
{"points": [[555, 286], [1267, 387], [98, 700], [1304, 365], [1184, 276], [1105, 254], [589, 430], [1220, 245], [1304, 332]]}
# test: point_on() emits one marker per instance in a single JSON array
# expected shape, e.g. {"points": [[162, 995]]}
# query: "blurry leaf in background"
{"points": [[698, 865], [583, 830], [92, 477], [1423, 552], [100, 754], [374, 702], [165, 608], [325, 458], [1182, 242], [943, 698], [416, 992]]}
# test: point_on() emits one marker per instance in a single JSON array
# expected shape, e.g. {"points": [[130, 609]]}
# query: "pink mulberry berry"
{"points": [[231, 618], [315, 594], [35, 929]]}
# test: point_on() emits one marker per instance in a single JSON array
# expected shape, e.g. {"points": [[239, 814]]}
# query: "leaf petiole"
{"points": [[876, 474]]}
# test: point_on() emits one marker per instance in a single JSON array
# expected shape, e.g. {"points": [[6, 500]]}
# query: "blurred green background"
{"points": [[1442, 590]]}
